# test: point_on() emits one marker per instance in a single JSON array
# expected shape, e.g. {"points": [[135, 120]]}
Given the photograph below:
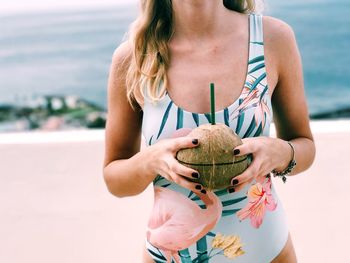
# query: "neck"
{"points": [[199, 19]]}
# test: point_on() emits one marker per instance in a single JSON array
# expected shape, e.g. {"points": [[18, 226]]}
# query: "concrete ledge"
{"points": [[55, 206]]}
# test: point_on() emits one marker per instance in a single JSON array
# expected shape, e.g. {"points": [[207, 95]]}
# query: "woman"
{"points": [[158, 86]]}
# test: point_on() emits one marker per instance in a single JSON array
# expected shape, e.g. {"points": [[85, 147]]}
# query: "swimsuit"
{"points": [[248, 226]]}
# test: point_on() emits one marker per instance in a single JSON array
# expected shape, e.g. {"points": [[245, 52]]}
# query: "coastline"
{"points": [[71, 112], [94, 135]]}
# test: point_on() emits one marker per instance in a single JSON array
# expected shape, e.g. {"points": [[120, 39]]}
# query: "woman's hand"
{"points": [[267, 154], [161, 160]]}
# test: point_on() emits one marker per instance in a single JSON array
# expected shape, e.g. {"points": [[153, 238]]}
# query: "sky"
{"points": [[20, 6]]}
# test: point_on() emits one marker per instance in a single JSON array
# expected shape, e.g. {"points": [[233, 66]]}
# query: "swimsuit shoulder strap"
{"points": [[256, 38], [256, 65], [256, 27]]}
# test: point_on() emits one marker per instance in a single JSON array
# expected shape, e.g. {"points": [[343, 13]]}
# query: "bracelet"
{"points": [[289, 168]]}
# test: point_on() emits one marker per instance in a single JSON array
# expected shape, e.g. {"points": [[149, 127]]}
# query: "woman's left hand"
{"points": [[267, 154]]}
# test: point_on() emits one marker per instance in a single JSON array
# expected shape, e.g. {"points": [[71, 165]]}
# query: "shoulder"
{"points": [[280, 43], [277, 30], [118, 70], [121, 55], [279, 37]]}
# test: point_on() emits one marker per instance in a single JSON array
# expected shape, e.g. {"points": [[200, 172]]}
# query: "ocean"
{"points": [[69, 52]]}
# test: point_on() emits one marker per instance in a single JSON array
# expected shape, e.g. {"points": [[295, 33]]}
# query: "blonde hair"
{"points": [[150, 59]]}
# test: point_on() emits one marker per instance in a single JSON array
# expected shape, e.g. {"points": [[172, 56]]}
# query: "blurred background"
{"points": [[54, 64], [55, 57]]}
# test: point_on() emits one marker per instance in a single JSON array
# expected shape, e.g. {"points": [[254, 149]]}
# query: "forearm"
{"points": [[304, 155], [127, 177]]}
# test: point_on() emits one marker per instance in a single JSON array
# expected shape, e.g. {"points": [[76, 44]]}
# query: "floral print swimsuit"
{"points": [[243, 227]]}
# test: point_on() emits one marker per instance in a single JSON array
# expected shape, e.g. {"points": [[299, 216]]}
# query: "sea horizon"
{"points": [[68, 51]]}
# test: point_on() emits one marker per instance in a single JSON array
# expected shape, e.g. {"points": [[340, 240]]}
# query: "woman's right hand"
{"points": [[161, 160]]}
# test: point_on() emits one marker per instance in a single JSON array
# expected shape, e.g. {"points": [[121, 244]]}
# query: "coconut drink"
{"points": [[213, 157]]}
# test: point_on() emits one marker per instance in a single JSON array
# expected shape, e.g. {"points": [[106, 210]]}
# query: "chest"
{"points": [[193, 69]]}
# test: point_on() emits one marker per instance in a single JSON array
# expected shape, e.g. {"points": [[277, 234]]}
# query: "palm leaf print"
{"points": [[221, 192], [165, 118], [211, 234], [225, 204], [180, 119], [195, 118], [256, 59], [262, 109], [159, 181], [240, 119], [261, 112], [227, 212], [226, 117], [258, 131], [202, 250], [185, 256], [233, 201], [250, 128], [208, 116], [159, 256], [256, 68], [218, 193], [257, 81], [150, 140], [190, 194], [263, 92], [249, 101], [158, 178]]}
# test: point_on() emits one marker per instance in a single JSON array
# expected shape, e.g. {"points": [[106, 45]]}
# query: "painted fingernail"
{"points": [[195, 141], [236, 151], [234, 181], [231, 190], [203, 191], [195, 175], [198, 187]]}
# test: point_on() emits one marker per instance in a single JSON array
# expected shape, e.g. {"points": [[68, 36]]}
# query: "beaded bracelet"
{"points": [[289, 168]]}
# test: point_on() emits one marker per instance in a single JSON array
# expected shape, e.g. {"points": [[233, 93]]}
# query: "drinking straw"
{"points": [[212, 103]]}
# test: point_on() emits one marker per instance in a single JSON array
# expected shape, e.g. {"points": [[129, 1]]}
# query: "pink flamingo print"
{"points": [[177, 222]]}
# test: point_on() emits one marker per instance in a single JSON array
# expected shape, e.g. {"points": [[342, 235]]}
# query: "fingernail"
{"points": [[198, 187], [234, 181], [195, 141], [231, 190], [236, 151], [203, 191], [195, 175]]}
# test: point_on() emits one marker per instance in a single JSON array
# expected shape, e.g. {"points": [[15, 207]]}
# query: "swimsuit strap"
{"points": [[256, 39], [256, 26], [256, 65]]}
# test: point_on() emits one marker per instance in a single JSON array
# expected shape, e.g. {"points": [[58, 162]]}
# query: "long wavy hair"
{"points": [[149, 58]]}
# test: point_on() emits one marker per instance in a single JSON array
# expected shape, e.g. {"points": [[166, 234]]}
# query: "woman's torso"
{"points": [[244, 104]]}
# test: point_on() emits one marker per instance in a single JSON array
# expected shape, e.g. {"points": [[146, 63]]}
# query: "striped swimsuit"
{"points": [[248, 226]]}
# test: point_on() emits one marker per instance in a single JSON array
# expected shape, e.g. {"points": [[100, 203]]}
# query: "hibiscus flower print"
{"points": [[259, 199], [255, 99]]}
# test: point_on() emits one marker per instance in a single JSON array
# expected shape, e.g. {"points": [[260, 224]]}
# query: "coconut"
{"points": [[213, 157]]}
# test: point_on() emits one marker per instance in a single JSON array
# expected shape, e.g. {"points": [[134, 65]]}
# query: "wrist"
{"points": [[288, 169], [287, 156], [145, 165]]}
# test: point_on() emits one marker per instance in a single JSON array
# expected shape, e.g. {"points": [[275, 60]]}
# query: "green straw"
{"points": [[212, 103]]}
